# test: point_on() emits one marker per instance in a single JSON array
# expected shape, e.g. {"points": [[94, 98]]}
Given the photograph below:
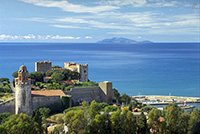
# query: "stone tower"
{"points": [[42, 66], [82, 69], [106, 87], [23, 92]]}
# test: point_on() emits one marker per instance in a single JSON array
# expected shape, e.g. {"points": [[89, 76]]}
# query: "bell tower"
{"points": [[23, 92]]}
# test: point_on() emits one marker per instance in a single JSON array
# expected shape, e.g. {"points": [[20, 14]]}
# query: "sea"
{"points": [[134, 69]]}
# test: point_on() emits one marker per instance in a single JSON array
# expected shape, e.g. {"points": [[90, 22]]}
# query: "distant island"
{"points": [[117, 40]]}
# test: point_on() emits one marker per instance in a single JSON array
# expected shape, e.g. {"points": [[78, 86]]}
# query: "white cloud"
{"points": [[88, 37], [69, 7], [67, 26], [65, 37], [6, 37], [36, 37], [30, 36]]}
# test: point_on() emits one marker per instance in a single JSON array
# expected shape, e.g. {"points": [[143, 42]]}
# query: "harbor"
{"points": [[161, 101]]}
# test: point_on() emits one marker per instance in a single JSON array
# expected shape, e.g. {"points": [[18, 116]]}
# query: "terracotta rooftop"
{"points": [[69, 82], [47, 77], [47, 92], [161, 119], [72, 66]]}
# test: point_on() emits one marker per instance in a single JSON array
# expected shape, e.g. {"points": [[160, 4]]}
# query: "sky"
{"points": [[89, 21]]}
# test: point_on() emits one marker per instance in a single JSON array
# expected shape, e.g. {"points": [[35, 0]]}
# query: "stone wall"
{"points": [[86, 94], [42, 66], [43, 101], [8, 106]]}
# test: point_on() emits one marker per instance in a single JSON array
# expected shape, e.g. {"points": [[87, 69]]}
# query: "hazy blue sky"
{"points": [[93, 20]]}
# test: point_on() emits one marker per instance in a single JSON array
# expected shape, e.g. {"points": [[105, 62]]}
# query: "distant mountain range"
{"points": [[117, 40]]}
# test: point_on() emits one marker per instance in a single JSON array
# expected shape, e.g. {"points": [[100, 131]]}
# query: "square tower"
{"points": [[42, 66]]}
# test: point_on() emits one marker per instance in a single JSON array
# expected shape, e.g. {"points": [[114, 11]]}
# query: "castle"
{"points": [[82, 69], [27, 100]]}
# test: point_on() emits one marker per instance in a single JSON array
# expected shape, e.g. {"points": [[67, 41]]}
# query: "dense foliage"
{"points": [[19, 124]]}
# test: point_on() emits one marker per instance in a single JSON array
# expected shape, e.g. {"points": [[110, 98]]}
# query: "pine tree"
{"points": [[142, 124]]}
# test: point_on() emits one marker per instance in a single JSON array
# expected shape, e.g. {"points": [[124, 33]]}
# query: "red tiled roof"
{"points": [[69, 82], [161, 119], [72, 66], [48, 92], [47, 77]]}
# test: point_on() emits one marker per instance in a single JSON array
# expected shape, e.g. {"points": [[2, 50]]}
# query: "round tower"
{"points": [[22, 92]]}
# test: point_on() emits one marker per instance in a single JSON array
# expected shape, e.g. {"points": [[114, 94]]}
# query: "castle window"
{"points": [[85, 71]]}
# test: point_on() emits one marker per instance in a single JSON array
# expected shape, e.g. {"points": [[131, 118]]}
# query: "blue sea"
{"points": [[143, 69]]}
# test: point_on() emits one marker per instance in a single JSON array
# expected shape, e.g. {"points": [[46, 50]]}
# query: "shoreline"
{"points": [[162, 100]]}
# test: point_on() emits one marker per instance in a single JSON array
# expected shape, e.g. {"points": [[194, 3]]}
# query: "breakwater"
{"points": [[165, 100]]}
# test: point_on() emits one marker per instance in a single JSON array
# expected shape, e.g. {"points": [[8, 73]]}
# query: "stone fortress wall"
{"points": [[8, 106], [42, 66], [25, 101], [101, 93], [43, 101]]}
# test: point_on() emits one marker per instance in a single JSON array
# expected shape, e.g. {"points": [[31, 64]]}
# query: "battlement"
{"points": [[42, 66], [84, 65], [43, 62]]}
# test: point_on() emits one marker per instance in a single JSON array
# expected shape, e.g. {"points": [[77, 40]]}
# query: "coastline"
{"points": [[161, 99]]}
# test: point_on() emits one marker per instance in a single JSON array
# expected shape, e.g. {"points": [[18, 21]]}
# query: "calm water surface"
{"points": [[145, 69]]}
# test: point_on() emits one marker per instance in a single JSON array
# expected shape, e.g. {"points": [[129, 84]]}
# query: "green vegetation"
{"points": [[96, 118], [19, 124], [5, 90], [4, 80], [56, 66], [4, 117], [15, 74], [57, 76], [36, 76]]}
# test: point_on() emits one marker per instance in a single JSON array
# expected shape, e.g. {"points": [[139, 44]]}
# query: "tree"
{"points": [[194, 122], [15, 74], [125, 98], [44, 112], [103, 105], [115, 120], [183, 123], [97, 125], [19, 124], [142, 124], [116, 95], [37, 76], [173, 112], [49, 73], [37, 117], [4, 117], [56, 66], [111, 108], [154, 120], [4, 80], [94, 109], [75, 122], [57, 76], [127, 117]]}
